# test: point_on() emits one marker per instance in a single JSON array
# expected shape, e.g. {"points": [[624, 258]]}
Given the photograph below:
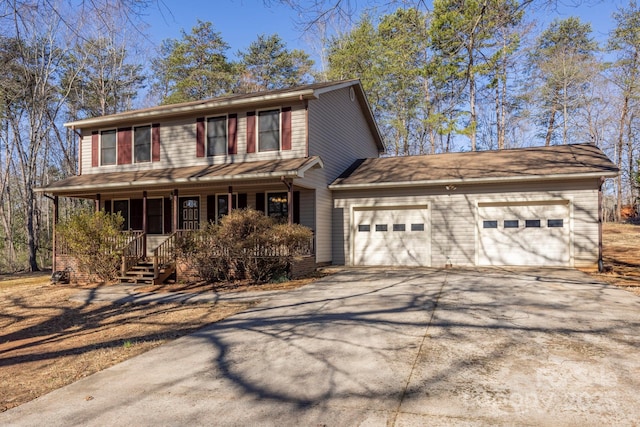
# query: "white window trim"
{"points": [[133, 143], [100, 147], [279, 109], [206, 135]]}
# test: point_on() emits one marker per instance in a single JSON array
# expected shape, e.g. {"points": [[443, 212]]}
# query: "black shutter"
{"points": [[135, 213], [107, 206], [260, 202], [168, 223], [296, 207], [211, 208], [242, 201]]}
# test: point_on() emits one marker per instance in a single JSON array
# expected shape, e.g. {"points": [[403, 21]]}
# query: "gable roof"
{"points": [[224, 103], [536, 163], [149, 179]]}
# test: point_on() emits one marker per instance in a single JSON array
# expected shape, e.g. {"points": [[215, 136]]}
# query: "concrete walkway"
{"points": [[384, 348]]}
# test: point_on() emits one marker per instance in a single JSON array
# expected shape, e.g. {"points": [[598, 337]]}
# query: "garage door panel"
{"points": [[533, 234], [391, 236]]}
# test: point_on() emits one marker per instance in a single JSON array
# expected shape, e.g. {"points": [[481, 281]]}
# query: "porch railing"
{"points": [[165, 254], [133, 250]]}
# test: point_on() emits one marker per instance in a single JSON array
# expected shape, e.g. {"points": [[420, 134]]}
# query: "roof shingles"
{"points": [[536, 162]]}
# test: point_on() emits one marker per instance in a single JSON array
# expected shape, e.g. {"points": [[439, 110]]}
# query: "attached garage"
{"points": [[535, 234], [522, 207], [395, 235]]}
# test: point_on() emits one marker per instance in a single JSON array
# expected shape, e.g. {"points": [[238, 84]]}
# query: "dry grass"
{"points": [[621, 254], [48, 341]]}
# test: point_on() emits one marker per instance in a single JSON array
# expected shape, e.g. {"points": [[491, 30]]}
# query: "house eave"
{"points": [[461, 181], [190, 108], [162, 182]]}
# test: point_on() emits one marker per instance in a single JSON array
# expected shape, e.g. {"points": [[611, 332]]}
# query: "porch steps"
{"points": [[142, 274]]}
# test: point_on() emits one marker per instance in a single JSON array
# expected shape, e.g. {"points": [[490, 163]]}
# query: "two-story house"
{"points": [[310, 154]]}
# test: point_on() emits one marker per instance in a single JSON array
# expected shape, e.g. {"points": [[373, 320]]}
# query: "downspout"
{"points": [[600, 260]]}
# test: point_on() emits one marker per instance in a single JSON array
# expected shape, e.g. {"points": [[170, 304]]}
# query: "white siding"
{"points": [[454, 215]]}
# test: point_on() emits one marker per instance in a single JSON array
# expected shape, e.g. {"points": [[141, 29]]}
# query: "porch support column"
{"points": [[144, 221], [97, 202], [55, 226], [600, 260], [230, 200], [175, 210], [289, 184]]}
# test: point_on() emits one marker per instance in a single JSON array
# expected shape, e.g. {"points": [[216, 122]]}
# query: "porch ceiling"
{"points": [[158, 178]]}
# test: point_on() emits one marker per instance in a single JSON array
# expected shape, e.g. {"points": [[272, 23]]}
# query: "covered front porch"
{"points": [[159, 205]]}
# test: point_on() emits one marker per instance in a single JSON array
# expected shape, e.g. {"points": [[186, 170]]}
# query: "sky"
{"points": [[240, 22]]}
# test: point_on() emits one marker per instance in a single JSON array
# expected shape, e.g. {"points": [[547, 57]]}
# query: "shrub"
{"points": [[202, 252], [91, 238], [245, 244]]}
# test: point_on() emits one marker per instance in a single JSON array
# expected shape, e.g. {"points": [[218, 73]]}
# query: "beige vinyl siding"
{"points": [[178, 145], [338, 132], [340, 135], [454, 229]]}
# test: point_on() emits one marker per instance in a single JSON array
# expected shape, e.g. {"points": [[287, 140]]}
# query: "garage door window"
{"points": [[532, 223], [364, 228], [398, 227], [553, 223], [417, 227], [381, 227], [489, 224], [511, 223]]}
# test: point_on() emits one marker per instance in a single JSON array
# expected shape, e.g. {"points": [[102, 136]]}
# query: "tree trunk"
{"points": [[552, 121], [619, 145]]}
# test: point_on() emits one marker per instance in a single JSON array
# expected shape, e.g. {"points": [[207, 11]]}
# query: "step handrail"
{"points": [[133, 250], [164, 254]]}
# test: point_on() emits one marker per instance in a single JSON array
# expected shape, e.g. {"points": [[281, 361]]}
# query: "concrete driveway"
{"points": [[382, 347]]}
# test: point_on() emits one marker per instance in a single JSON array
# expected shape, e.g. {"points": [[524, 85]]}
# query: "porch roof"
{"points": [[149, 179]]}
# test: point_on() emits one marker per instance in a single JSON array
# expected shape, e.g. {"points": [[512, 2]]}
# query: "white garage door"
{"points": [[392, 236], [524, 234]]}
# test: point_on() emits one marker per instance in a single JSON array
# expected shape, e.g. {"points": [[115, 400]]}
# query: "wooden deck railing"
{"points": [[165, 254], [133, 250]]}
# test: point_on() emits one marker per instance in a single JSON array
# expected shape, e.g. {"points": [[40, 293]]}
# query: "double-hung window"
{"points": [[269, 130], [216, 136], [108, 147], [142, 143]]}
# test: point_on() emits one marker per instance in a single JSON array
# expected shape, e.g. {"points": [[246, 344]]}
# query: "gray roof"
{"points": [[536, 163]]}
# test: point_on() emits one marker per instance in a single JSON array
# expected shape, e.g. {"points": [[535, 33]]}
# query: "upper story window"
{"points": [[269, 130], [216, 136], [142, 144], [108, 147]]}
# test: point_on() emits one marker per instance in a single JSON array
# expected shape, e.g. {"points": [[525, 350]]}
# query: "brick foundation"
{"points": [[76, 276]]}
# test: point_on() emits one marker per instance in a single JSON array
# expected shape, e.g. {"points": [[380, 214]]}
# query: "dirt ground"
{"points": [[621, 254], [47, 341]]}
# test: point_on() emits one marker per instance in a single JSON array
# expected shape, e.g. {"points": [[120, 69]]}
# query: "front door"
{"points": [[189, 213]]}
